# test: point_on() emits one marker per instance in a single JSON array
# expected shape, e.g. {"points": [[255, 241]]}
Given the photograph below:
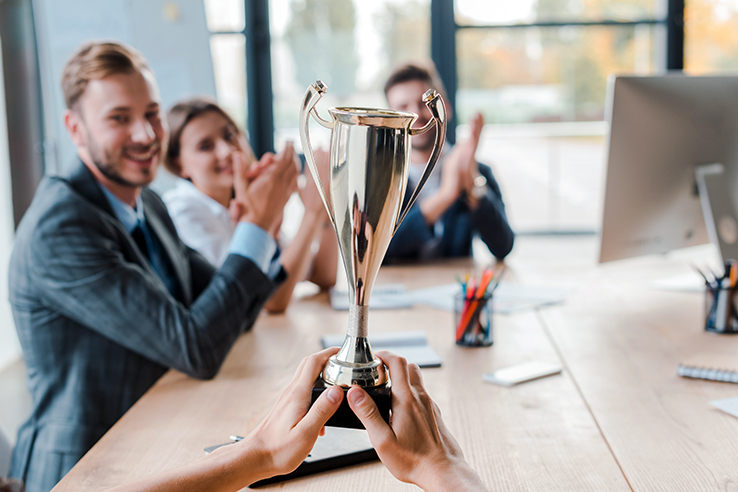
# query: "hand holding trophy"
{"points": [[369, 167]]}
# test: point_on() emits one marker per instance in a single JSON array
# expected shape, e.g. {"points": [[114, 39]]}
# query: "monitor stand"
{"points": [[721, 224], [718, 210]]}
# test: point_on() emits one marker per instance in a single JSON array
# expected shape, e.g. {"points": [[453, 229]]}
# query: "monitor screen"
{"points": [[661, 129]]}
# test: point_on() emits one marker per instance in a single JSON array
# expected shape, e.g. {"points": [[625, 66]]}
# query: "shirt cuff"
{"points": [[252, 242]]}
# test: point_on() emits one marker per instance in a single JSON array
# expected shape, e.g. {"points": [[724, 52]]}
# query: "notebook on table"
{"points": [[712, 367]]}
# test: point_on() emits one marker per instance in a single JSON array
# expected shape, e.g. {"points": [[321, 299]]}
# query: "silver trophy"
{"points": [[369, 165]]}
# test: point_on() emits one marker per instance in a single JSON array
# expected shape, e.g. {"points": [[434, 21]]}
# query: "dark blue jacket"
{"points": [[415, 239]]}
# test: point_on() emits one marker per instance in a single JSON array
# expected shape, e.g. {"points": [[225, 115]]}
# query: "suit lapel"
{"points": [[84, 183], [171, 245]]}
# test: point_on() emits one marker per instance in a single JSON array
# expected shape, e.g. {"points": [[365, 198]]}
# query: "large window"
{"points": [[536, 69], [349, 44], [711, 36], [228, 47]]}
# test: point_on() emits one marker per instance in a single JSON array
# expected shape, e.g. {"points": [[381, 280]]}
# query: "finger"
{"points": [[323, 409], [307, 372], [398, 371], [298, 163], [286, 158], [415, 376], [239, 173], [365, 408], [298, 372], [293, 180], [234, 210], [266, 160], [289, 148], [289, 169], [313, 365], [253, 172], [477, 124]]}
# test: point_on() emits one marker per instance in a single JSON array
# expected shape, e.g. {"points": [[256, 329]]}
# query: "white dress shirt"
{"points": [[205, 225], [202, 223]]}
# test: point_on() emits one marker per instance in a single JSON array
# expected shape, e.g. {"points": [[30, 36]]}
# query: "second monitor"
{"points": [[662, 129]]}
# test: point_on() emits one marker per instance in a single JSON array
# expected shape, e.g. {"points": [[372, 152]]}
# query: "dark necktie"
{"points": [[139, 236], [143, 237]]}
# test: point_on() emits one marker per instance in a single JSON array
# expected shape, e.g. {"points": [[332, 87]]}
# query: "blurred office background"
{"points": [[536, 69]]}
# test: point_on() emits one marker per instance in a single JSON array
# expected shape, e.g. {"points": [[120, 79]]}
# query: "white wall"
{"points": [[9, 347], [172, 35]]}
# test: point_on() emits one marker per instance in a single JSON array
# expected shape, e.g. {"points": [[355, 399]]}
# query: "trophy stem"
{"points": [[358, 316], [355, 363]]}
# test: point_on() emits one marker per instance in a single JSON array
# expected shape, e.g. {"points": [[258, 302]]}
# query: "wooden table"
{"points": [[617, 418]]}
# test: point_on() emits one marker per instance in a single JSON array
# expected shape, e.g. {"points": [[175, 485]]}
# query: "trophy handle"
{"points": [[435, 104], [312, 96]]}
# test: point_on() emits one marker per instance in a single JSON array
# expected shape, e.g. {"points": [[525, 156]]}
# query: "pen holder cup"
{"points": [[720, 310], [473, 321]]}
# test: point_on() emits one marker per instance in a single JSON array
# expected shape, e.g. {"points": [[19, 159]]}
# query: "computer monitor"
{"points": [[662, 130]]}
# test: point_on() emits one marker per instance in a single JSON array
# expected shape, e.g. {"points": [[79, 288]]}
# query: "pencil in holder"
{"points": [[720, 309], [473, 320]]}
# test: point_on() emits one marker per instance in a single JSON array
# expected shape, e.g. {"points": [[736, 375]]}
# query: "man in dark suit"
{"points": [[105, 296], [461, 198]]}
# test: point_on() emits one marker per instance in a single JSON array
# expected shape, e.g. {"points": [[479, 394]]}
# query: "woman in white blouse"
{"points": [[204, 143]]}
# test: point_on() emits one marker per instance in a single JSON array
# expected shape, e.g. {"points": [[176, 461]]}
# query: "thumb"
{"points": [[239, 171], [234, 210], [323, 409], [367, 411]]}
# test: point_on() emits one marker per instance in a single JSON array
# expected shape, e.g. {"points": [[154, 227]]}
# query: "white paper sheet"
{"points": [[727, 405]]}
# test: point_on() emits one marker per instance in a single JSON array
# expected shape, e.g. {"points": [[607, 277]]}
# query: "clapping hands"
{"points": [[262, 190]]}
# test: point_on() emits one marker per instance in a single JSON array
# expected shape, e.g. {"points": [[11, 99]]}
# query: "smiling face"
{"points": [[207, 146], [118, 130]]}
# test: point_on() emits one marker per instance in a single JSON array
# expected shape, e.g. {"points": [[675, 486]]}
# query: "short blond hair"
{"points": [[96, 60]]}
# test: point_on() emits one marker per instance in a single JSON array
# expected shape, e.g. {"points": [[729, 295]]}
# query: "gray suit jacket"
{"points": [[97, 325]]}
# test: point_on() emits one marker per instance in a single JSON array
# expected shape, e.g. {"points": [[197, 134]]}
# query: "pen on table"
{"points": [[497, 278], [462, 284], [715, 277], [487, 277], [707, 282], [236, 438], [724, 281], [489, 290], [471, 289]]}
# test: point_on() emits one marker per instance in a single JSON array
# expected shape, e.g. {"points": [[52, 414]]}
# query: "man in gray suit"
{"points": [[105, 296]]}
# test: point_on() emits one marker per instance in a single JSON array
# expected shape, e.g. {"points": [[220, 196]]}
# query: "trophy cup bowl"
{"points": [[369, 167]]}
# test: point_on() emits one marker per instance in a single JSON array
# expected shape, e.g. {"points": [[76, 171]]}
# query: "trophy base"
{"points": [[344, 416]]}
